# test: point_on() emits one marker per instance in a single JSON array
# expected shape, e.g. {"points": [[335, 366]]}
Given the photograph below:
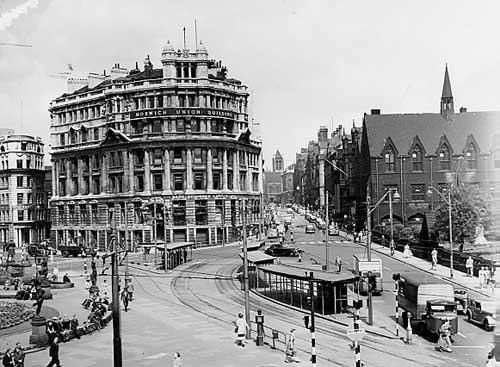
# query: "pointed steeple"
{"points": [[447, 105]]}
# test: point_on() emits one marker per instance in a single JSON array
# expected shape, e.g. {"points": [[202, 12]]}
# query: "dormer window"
{"points": [[417, 159], [471, 157], [444, 158], [390, 160]]}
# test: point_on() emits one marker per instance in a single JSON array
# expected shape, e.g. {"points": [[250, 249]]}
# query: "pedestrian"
{"points": [[300, 255], [8, 359], [130, 290], [241, 330], [338, 263], [290, 352], [54, 353], [105, 288], [291, 236], [177, 360], [85, 267], [469, 266], [18, 355], [66, 278], [434, 256], [125, 298], [392, 246], [74, 327], [88, 284], [444, 342], [407, 252], [482, 277]]}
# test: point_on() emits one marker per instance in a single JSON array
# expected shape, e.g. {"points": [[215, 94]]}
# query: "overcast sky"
{"points": [[308, 63]]}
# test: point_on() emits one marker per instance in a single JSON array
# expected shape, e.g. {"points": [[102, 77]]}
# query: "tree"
{"points": [[469, 210]]}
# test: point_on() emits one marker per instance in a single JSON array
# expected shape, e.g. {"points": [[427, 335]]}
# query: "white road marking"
{"points": [[386, 268], [378, 301], [469, 346], [312, 243], [462, 335], [157, 356]]}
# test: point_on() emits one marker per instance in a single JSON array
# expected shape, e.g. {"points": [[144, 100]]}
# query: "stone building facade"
{"points": [[23, 199], [172, 143]]}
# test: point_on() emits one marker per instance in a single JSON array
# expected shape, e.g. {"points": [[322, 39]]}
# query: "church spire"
{"points": [[447, 106]]}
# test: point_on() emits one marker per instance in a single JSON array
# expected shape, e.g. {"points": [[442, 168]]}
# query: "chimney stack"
{"points": [[375, 111]]}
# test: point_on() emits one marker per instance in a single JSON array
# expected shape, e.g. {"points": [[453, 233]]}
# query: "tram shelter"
{"points": [[177, 253], [256, 260], [290, 284]]}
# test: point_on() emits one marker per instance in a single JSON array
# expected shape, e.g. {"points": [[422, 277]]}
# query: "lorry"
{"points": [[430, 301], [361, 267]]}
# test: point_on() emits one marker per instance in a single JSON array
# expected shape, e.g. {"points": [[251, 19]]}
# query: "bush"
{"points": [[14, 313]]}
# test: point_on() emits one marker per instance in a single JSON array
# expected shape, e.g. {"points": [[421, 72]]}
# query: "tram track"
{"points": [[185, 295]]}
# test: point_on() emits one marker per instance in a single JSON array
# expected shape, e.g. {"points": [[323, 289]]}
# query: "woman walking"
{"points": [[241, 330]]}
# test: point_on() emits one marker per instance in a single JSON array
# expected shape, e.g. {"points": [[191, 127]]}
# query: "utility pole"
{"points": [[117, 340], [327, 250], [245, 269], [261, 224], [312, 328], [369, 256], [155, 229], [451, 232]]}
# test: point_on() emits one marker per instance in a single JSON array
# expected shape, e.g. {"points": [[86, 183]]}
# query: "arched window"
{"points": [[471, 157], [417, 158], [390, 159], [444, 158]]}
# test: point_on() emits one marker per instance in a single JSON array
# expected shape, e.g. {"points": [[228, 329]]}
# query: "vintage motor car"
{"points": [[482, 312], [310, 228], [280, 250], [332, 231], [461, 300]]}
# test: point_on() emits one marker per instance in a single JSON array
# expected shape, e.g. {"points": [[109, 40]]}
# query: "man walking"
{"points": [[434, 256], [338, 263], [469, 264], [54, 353]]}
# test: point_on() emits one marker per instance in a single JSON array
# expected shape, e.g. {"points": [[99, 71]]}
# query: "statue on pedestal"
{"points": [[480, 239]]}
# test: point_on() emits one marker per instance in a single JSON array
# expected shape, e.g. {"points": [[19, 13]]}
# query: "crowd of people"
{"points": [[14, 357]]}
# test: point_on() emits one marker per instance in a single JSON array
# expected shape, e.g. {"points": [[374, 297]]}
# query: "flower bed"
{"points": [[14, 313]]}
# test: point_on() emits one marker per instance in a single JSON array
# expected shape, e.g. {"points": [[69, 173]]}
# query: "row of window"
{"points": [[88, 214], [116, 183], [156, 101], [22, 215], [417, 158], [22, 145], [418, 192], [27, 198]]}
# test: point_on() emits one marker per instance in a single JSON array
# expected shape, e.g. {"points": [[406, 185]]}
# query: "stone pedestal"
{"points": [[39, 335]]}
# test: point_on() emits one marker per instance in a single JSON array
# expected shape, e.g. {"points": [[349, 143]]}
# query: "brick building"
{"points": [[411, 152], [173, 141], [273, 184]]}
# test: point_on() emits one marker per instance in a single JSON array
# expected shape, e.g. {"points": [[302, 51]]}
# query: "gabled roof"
{"points": [[113, 137], [446, 85], [278, 154], [430, 127]]}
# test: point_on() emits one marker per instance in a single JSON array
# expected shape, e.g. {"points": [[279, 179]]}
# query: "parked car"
{"points": [[310, 228], [332, 231], [280, 250], [482, 312], [461, 300]]}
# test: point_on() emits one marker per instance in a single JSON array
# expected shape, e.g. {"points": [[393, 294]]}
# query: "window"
{"points": [[217, 156], [139, 158], [139, 183], [20, 215], [216, 181], [180, 126], [20, 180], [96, 133], [417, 159], [111, 213], [84, 135], [23, 146], [20, 198], [96, 185], [178, 181], [71, 211], [179, 212], [230, 180], [199, 180], [390, 160], [93, 212], [219, 211], [200, 212], [157, 157], [444, 158], [62, 187], [96, 162], [243, 181], [158, 182], [195, 126], [177, 155], [62, 140], [197, 156], [83, 213], [157, 126], [19, 163], [471, 157], [418, 192]]}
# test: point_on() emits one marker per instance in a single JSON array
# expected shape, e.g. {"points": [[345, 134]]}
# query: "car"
{"points": [[332, 231], [280, 250], [461, 300], [310, 228], [482, 312]]}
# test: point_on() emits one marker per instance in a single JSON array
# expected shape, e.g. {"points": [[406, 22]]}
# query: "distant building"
{"points": [[23, 198], [288, 190], [278, 164], [273, 185]]}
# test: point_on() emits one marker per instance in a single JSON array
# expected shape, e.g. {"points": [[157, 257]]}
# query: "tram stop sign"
{"points": [[355, 334]]}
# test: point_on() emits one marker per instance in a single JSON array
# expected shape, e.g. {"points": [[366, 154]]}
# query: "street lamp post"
{"points": [[448, 202], [369, 211]]}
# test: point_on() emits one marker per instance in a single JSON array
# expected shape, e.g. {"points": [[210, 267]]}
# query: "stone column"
{"points": [[55, 178], [104, 173], [126, 171], [68, 178], [189, 170], [131, 187], [79, 164], [249, 173], [224, 170], [236, 171], [261, 181], [209, 125], [147, 172], [209, 170], [166, 167]]}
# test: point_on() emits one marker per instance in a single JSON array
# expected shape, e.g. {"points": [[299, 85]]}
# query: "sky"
{"points": [[307, 63]]}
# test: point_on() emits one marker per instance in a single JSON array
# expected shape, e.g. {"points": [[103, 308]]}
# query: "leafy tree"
{"points": [[469, 209]]}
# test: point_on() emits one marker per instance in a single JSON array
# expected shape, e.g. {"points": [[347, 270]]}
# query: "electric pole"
{"points": [[327, 250], [245, 269], [117, 340], [369, 256], [312, 328]]}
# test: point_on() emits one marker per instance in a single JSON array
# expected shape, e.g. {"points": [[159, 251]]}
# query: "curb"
{"points": [[318, 315], [448, 279]]}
